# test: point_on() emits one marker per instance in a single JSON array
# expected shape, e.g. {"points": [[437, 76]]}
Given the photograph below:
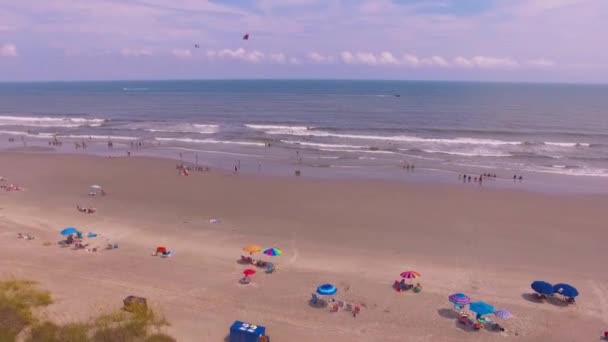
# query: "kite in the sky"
{"points": [[246, 36]]}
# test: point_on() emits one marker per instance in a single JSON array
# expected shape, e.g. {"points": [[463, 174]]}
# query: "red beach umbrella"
{"points": [[248, 272]]}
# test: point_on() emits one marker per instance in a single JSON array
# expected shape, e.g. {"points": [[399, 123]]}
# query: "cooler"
{"points": [[246, 332]]}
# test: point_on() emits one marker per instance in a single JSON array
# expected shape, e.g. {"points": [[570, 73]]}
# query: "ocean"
{"points": [[364, 128]]}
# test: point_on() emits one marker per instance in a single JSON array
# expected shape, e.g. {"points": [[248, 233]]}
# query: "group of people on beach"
{"points": [[476, 179], [9, 187]]}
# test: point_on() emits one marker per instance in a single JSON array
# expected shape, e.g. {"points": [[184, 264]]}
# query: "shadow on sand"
{"points": [[554, 300], [448, 313]]}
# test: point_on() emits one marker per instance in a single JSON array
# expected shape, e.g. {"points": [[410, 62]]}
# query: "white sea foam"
{"points": [[310, 144], [211, 141], [95, 137], [567, 144], [265, 127], [7, 120], [165, 127], [471, 154]]}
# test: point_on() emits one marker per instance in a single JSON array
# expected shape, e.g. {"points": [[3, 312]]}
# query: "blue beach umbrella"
{"points": [[481, 308], [327, 290], [566, 290], [542, 287], [69, 231]]}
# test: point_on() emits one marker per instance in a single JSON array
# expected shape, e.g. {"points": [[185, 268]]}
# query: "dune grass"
{"points": [[18, 299]]}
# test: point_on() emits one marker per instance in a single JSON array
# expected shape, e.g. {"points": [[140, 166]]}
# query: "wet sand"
{"points": [[358, 235]]}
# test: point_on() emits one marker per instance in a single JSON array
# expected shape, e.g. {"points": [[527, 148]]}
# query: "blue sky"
{"points": [[497, 40]]}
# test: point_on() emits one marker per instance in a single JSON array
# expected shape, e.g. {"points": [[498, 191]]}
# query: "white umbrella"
{"points": [[96, 187]]}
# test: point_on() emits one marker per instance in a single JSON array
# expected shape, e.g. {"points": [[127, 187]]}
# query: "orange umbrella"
{"points": [[252, 248]]}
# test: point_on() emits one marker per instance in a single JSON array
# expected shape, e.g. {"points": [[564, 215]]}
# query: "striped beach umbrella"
{"points": [[504, 314], [272, 251], [410, 275], [459, 299]]}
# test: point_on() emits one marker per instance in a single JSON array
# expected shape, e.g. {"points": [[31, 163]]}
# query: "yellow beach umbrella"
{"points": [[252, 248]]}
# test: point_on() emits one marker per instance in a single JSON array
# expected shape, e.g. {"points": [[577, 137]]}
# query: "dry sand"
{"points": [[358, 235]]}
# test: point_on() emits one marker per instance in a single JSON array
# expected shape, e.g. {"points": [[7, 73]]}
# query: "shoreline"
{"points": [[281, 166], [359, 235]]}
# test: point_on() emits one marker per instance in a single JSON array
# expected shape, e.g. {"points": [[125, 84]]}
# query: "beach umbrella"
{"points": [[459, 299], [248, 272], [481, 308], [252, 248], [542, 287], [566, 290], [69, 231], [504, 314], [410, 275], [96, 187], [272, 251], [327, 290]]}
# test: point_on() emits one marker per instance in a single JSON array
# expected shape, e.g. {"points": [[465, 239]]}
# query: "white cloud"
{"points": [[369, 58], [541, 63], [294, 60], [129, 52], [463, 62], [278, 58], [486, 62], [8, 50], [387, 58], [411, 60], [316, 57], [238, 54], [181, 53]]}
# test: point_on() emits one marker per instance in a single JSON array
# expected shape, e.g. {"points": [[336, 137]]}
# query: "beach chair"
{"points": [[334, 307], [341, 304], [349, 307], [356, 310], [397, 286], [270, 268]]}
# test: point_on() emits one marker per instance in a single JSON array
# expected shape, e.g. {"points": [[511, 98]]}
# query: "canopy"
{"points": [[272, 251], [566, 290], [69, 231], [252, 248], [248, 272], [542, 287], [481, 308], [410, 275], [327, 290], [459, 299]]}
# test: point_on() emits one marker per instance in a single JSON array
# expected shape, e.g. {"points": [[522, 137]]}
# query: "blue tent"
{"points": [[542, 287], [481, 308], [566, 290], [69, 231], [246, 332]]}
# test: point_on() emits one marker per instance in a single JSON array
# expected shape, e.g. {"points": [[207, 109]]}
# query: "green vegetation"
{"points": [[18, 300]]}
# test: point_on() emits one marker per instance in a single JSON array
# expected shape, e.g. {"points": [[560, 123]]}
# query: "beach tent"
{"points": [[96, 189], [246, 332]]}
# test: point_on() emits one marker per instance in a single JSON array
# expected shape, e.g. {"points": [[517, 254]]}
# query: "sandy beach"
{"points": [[359, 235]]}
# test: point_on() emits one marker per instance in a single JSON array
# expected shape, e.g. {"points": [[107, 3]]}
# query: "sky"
{"points": [[476, 40]]}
